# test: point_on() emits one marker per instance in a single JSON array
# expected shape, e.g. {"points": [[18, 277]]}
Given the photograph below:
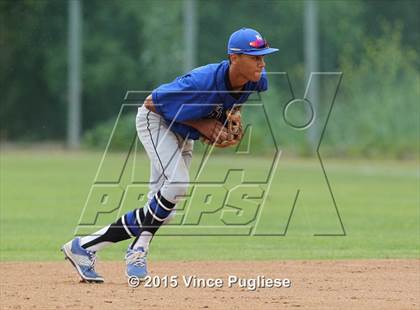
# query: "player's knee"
{"points": [[179, 190], [174, 192]]}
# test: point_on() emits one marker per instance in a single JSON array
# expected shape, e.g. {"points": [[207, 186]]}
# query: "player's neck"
{"points": [[237, 81]]}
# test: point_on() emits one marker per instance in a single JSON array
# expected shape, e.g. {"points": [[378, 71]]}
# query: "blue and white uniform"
{"points": [[203, 93]]}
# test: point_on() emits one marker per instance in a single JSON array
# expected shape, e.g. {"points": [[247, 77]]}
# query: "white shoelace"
{"points": [[92, 259], [136, 258]]}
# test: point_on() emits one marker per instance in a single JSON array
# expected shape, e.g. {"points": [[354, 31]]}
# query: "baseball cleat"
{"points": [[83, 260], [136, 263]]}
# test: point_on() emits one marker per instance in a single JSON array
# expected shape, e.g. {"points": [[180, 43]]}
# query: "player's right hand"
{"points": [[213, 130]]}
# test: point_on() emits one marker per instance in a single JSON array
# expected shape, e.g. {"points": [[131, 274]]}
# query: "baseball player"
{"points": [[203, 103]]}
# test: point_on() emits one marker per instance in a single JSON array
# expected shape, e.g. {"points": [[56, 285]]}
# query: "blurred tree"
{"points": [[30, 44], [137, 45], [404, 12], [112, 45], [162, 33]]}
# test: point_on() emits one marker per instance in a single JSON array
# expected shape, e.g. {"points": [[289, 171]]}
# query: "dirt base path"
{"points": [[355, 284]]}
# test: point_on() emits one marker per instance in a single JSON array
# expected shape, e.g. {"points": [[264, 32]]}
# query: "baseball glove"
{"points": [[233, 126]]}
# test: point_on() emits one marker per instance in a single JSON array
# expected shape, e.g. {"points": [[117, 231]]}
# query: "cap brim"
{"points": [[265, 51]]}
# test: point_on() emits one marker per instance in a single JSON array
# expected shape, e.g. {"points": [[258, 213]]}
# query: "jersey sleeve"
{"points": [[180, 100]]}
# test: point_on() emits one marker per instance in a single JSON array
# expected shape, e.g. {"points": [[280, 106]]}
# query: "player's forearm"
{"points": [[204, 126], [210, 128], [196, 124]]}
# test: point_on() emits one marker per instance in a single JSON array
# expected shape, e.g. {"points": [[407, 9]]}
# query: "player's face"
{"points": [[251, 66]]}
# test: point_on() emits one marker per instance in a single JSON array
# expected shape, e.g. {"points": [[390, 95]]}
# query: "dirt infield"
{"points": [[355, 284]]}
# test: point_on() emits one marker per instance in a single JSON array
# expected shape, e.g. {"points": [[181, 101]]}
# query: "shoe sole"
{"points": [[141, 279], [84, 278]]}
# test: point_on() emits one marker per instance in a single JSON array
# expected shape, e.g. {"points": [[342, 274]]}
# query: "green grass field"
{"points": [[43, 194]]}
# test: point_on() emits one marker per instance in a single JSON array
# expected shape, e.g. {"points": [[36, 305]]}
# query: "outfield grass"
{"points": [[43, 194]]}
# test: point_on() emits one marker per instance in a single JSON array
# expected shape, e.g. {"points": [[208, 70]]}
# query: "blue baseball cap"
{"points": [[250, 42]]}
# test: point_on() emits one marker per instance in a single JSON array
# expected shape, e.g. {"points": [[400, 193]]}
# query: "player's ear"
{"points": [[233, 58]]}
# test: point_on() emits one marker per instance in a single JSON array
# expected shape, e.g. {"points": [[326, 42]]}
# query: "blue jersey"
{"points": [[204, 92]]}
